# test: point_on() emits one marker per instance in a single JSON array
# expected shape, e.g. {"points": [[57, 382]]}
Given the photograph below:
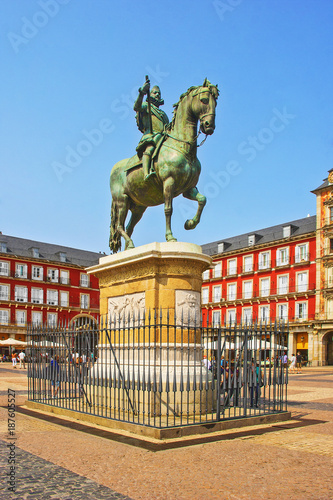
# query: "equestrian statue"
{"points": [[166, 163]]}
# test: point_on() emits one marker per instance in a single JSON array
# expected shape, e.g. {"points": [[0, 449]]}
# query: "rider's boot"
{"points": [[146, 163]]}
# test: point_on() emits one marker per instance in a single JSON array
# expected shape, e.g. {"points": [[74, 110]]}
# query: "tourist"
{"points": [[21, 357], [14, 359], [292, 367], [299, 362]]}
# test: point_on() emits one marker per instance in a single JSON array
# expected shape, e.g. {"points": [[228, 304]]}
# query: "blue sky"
{"points": [[73, 66]]}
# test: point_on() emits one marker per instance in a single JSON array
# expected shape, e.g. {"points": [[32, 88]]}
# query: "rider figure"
{"points": [[159, 120]]}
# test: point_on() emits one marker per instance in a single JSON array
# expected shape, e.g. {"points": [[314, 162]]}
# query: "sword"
{"points": [[149, 108]]}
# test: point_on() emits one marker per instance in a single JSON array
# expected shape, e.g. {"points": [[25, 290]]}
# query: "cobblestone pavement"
{"points": [[288, 460]]}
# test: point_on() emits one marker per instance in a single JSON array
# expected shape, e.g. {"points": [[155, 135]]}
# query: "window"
{"points": [[264, 287], [247, 289], [204, 295], [37, 273], [21, 318], [53, 275], [216, 294], [4, 317], [247, 315], [84, 280], [21, 271], [231, 316], [64, 299], [232, 266], [248, 264], [4, 292], [220, 247], [37, 295], [282, 312], [331, 214], [264, 313], [84, 299], [36, 318], [216, 319], [301, 310], [21, 294], [251, 239], [4, 268], [3, 248], [35, 253], [286, 231], [231, 291], [282, 284], [64, 277], [52, 319], [218, 270], [264, 260], [302, 282], [52, 297], [62, 256], [282, 256], [205, 275], [301, 253]]}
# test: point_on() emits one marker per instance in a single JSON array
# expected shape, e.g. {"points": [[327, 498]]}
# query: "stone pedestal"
{"points": [[151, 297]]}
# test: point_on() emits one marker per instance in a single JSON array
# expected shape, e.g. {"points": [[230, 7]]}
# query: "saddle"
{"points": [[136, 162]]}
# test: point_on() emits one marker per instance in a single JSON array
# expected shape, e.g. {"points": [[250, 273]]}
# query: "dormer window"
{"points": [[220, 248], [251, 240], [62, 256], [286, 231], [35, 253], [3, 247]]}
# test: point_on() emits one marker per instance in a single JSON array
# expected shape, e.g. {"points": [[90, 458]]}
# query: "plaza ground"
{"points": [[63, 459]]}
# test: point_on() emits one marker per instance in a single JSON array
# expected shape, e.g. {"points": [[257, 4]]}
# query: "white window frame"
{"points": [[217, 293], [262, 264], [52, 297], [265, 290], [264, 314], [34, 316], [247, 289], [302, 287], [231, 316], [282, 317], [205, 295], [64, 303], [247, 314], [4, 316], [37, 295], [232, 291], [282, 289], [218, 270], [205, 275], [232, 267], [21, 293], [84, 301], [64, 277], [301, 310], [216, 319], [52, 319], [302, 253], [4, 268], [53, 275], [3, 294], [279, 253], [248, 264], [21, 317], [37, 273], [84, 280], [21, 270]]}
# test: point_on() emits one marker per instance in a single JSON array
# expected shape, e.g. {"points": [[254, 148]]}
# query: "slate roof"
{"points": [[266, 235], [21, 247]]}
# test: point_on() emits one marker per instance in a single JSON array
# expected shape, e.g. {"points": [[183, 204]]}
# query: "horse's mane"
{"points": [[212, 89]]}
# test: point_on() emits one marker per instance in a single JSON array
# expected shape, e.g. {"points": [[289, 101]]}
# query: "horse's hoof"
{"points": [[170, 238], [190, 224]]}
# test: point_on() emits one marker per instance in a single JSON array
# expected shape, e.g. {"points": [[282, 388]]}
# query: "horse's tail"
{"points": [[115, 240]]}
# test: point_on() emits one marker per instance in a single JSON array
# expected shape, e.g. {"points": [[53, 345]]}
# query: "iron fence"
{"points": [[149, 370]]}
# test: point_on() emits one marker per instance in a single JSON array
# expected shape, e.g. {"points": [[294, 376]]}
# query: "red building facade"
{"points": [[41, 283], [264, 276]]}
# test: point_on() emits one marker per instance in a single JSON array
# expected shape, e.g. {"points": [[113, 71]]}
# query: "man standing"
{"points": [[299, 362], [151, 122], [22, 359]]}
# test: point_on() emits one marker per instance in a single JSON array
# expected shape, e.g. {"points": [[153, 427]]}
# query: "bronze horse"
{"points": [[176, 165]]}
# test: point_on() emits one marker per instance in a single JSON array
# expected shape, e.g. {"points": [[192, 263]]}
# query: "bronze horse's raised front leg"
{"points": [[168, 191], [193, 194]]}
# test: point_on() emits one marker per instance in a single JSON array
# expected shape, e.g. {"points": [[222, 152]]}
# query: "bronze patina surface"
{"points": [[166, 164]]}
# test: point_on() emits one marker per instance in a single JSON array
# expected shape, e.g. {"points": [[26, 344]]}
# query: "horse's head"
{"points": [[204, 104]]}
